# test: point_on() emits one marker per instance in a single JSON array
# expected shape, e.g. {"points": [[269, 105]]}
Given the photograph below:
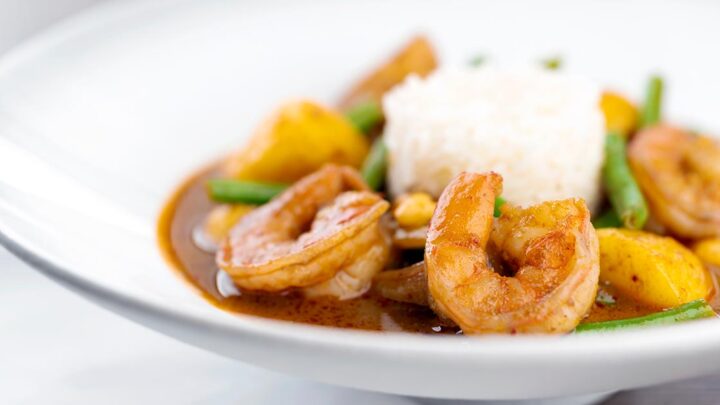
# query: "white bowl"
{"points": [[102, 116]]}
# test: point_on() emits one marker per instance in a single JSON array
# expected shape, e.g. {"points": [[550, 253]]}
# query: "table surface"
{"points": [[79, 353]]}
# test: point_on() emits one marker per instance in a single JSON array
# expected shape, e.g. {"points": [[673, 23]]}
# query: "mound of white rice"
{"points": [[543, 131]]}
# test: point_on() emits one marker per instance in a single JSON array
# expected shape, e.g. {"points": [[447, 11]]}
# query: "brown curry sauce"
{"points": [[188, 208]]}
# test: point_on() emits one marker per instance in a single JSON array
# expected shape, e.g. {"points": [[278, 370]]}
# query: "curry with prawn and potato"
{"points": [[470, 199]]}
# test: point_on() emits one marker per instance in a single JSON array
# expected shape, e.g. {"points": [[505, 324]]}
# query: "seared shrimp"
{"points": [[408, 284], [679, 173], [315, 234], [552, 246], [368, 252]]}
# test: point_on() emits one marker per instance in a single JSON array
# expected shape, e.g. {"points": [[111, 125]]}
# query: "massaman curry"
{"points": [[460, 200]]}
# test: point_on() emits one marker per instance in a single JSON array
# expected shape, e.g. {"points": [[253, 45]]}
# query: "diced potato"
{"points": [[299, 138], [653, 269], [621, 116], [708, 251], [414, 210], [416, 57], [222, 218]]}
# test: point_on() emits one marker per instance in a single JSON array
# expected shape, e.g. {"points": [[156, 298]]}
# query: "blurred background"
{"points": [[57, 348]]}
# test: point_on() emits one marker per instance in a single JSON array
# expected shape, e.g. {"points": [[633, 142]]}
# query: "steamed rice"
{"points": [[543, 131]]}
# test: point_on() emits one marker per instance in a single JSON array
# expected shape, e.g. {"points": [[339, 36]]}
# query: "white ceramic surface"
{"points": [[81, 354], [102, 116]]}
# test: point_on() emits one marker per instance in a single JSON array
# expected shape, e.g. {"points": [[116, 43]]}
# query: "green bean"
{"points": [[623, 191], [477, 60], [553, 63], [697, 309], [653, 102], [246, 192], [365, 116], [609, 219], [499, 201], [375, 165]]}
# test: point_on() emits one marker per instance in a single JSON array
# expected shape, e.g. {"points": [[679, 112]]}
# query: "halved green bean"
{"points": [[245, 192], [623, 191], [375, 165], [499, 201], [609, 219], [365, 116], [653, 102], [697, 309], [553, 63]]}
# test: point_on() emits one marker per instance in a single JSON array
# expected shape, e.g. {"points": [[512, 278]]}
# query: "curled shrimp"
{"points": [[315, 235], [552, 247], [408, 284], [679, 173]]}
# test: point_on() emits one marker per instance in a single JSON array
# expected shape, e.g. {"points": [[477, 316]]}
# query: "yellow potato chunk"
{"points": [[416, 57], [652, 269], [414, 210], [621, 116], [296, 140], [222, 218], [708, 251]]}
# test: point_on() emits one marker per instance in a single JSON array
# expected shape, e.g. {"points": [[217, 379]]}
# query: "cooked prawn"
{"points": [[368, 253], [552, 246], [408, 284], [315, 234], [679, 173]]}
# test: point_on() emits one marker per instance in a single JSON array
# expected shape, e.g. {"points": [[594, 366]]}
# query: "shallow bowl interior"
{"points": [[102, 116]]}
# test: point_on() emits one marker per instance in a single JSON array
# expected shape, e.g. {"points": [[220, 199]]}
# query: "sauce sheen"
{"points": [[187, 210]]}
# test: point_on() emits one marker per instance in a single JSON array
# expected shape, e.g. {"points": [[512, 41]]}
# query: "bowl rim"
{"points": [[632, 345], [701, 336]]}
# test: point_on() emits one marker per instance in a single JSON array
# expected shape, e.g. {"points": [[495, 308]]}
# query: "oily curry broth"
{"points": [[623, 308], [188, 208]]}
